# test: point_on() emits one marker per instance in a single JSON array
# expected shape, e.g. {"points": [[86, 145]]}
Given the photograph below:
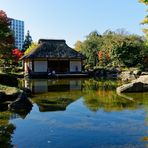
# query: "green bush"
{"points": [[8, 79]]}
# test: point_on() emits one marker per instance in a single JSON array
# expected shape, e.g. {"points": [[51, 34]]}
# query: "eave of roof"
{"points": [[53, 49]]}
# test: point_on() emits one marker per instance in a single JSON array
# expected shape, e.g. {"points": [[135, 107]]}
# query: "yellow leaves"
{"points": [[31, 47], [4, 117], [144, 1], [145, 21], [145, 31], [78, 46], [145, 138]]}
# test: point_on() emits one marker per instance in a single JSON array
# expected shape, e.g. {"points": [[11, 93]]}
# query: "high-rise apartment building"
{"points": [[18, 27]]}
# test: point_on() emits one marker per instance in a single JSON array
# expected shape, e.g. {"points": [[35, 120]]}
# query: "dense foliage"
{"points": [[17, 55], [124, 49], [90, 47], [145, 21], [144, 1], [113, 48], [6, 40]]}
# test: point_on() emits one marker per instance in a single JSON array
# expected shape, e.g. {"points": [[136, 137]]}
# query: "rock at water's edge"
{"points": [[21, 103], [138, 85]]}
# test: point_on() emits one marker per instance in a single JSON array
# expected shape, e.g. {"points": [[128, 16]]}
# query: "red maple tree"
{"points": [[104, 57], [17, 54]]}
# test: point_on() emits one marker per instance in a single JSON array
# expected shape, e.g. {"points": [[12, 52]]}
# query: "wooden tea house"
{"points": [[53, 57]]}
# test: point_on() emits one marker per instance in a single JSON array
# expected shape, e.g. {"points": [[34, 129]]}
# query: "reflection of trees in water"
{"points": [[101, 94], [110, 101], [6, 130], [141, 99], [92, 84], [106, 100]]}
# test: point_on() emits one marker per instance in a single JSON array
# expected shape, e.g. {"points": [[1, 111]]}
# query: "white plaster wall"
{"points": [[40, 66], [27, 64], [75, 66]]}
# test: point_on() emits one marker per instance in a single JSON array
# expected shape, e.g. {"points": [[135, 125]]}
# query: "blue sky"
{"points": [[72, 20]]}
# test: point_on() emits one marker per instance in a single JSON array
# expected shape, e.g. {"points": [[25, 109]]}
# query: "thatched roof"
{"points": [[53, 49]]}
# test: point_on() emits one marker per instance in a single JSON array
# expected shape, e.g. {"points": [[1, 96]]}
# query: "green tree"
{"points": [[27, 42], [128, 50], [113, 48], [144, 1], [6, 39], [31, 47], [89, 48], [123, 49], [78, 46], [108, 40], [145, 21]]}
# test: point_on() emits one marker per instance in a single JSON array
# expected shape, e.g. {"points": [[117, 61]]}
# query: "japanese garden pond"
{"points": [[77, 113]]}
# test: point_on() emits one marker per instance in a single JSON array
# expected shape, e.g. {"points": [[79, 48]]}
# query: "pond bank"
{"points": [[14, 100], [11, 96], [138, 85], [8, 93]]}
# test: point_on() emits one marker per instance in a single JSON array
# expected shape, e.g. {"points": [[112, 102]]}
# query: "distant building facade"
{"points": [[17, 26]]}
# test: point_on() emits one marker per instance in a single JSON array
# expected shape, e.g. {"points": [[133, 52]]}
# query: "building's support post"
{"points": [[68, 66], [47, 66], [32, 65]]}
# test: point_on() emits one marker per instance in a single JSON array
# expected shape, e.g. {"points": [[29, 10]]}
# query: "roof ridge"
{"points": [[54, 50]]}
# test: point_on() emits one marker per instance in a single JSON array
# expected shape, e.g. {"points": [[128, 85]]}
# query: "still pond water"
{"points": [[76, 113]]}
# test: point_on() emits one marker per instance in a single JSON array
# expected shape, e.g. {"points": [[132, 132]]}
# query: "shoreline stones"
{"points": [[138, 85], [16, 101], [21, 103]]}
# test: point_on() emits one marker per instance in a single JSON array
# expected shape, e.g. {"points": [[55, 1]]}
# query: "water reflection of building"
{"points": [[14, 116], [54, 85]]}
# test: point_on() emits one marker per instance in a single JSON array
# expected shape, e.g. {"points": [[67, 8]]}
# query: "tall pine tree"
{"points": [[27, 42]]}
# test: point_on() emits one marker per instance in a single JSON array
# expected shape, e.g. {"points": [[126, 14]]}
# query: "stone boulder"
{"points": [[138, 85], [137, 72], [27, 91], [22, 103], [144, 73], [127, 76], [143, 79]]}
